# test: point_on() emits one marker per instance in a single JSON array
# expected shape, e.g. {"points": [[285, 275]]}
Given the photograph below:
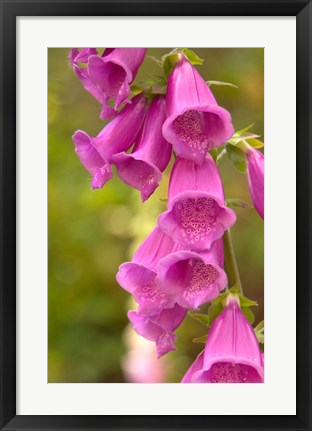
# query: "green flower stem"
{"points": [[230, 264]]}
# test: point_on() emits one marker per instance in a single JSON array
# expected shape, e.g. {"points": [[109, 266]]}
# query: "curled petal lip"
{"points": [[221, 224], [231, 359], [182, 148], [146, 188], [134, 278], [159, 327], [213, 109], [176, 290], [174, 257], [101, 176], [193, 194], [98, 167]]}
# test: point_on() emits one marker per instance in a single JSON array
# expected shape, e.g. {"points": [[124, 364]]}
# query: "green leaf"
{"points": [[242, 137], [202, 318], [237, 157], [214, 154], [248, 314], [202, 339], [237, 203], [260, 326], [210, 83], [239, 132], [220, 156], [255, 143], [234, 153], [259, 331], [192, 57], [245, 302]]}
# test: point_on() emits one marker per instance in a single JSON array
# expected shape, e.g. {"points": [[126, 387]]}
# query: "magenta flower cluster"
{"points": [[180, 265]]}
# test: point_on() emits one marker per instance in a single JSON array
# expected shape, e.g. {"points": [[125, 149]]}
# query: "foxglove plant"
{"points": [[119, 135], [232, 353], [255, 176], [188, 259], [193, 278], [159, 327], [78, 58], [195, 122], [139, 277], [142, 169], [108, 76], [196, 215]]}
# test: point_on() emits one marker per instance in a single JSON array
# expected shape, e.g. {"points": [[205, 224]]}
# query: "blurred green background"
{"points": [[92, 232]]}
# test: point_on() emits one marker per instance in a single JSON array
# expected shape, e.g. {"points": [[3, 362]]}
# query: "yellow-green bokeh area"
{"points": [[92, 232]]}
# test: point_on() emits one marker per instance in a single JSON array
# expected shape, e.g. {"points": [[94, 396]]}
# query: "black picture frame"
{"points": [[10, 9]]}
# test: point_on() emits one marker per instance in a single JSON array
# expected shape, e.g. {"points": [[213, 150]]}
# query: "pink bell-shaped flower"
{"points": [[193, 278], [196, 215], [232, 353], [151, 154], [255, 176], [139, 277], [119, 135], [77, 58], [108, 76], [195, 122], [114, 72], [159, 327]]}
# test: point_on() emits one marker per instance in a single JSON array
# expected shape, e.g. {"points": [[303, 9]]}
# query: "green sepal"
{"points": [[229, 84], [201, 339], [234, 289], [243, 300], [170, 60], [248, 314], [259, 331], [202, 318], [246, 302], [245, 136], [221, 154], [192, 57], [239, 132], [237, 203], [255, 143], [237, 157]]}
